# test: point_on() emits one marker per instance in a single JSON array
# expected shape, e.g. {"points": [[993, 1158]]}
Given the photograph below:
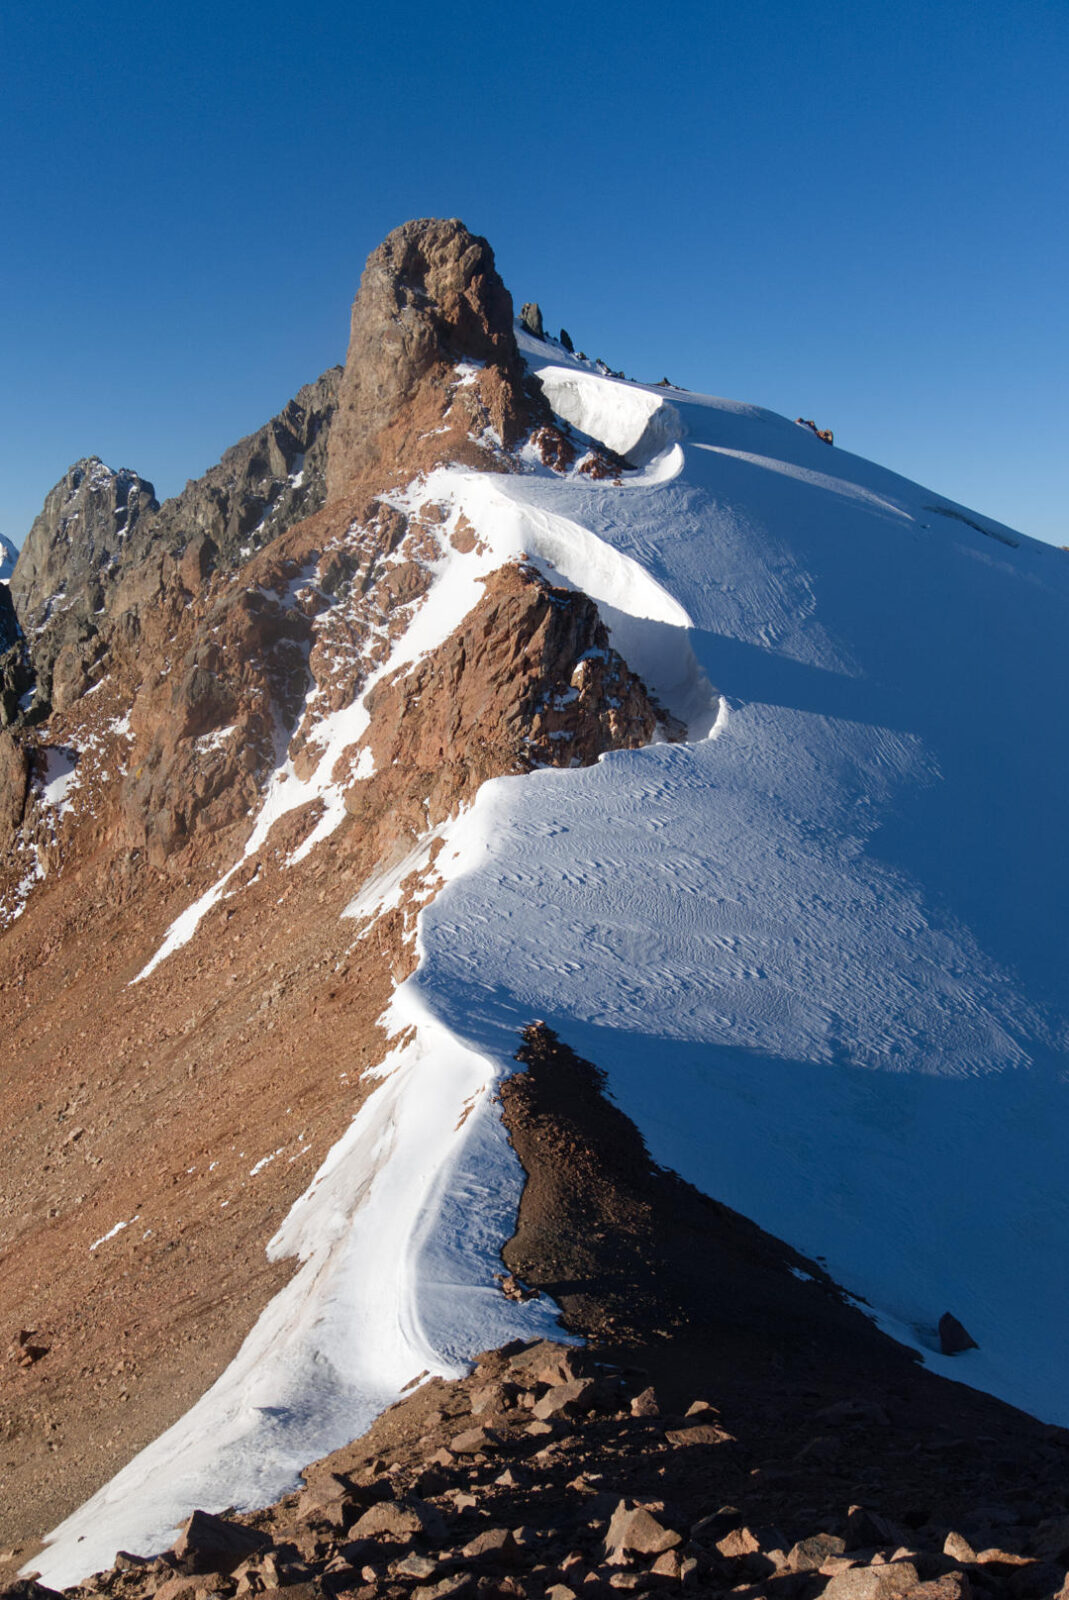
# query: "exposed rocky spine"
{"points": [[261, 487], [547, 1473]]}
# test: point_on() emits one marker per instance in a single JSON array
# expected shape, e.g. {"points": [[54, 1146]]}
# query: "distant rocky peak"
{"points": [[8, 556], [430, 298], [85, 520]]}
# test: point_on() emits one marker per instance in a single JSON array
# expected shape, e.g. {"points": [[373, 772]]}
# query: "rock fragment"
{"points": [[209, 1543], [636, 1531], [953, 1338]]}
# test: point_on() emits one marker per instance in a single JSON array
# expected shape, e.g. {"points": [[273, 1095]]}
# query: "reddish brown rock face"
{"points": [[429, 298], [527, 680]]}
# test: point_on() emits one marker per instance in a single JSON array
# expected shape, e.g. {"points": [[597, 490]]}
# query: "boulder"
{"points": [[636, 1531], [399, 1519], [882, 1582], [546, 1362], [566, 1400], [864, 1528], [958, 1548], [646, 1404], [699, 1433], [739, 1542], [1051, 1539], [493, 1544], [209, 1543], [473, 1441], [953, 1338], [951, 1586], [808, 1555]]}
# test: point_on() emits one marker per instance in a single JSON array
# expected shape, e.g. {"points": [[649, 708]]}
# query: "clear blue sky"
{"points": [[854, 211]]}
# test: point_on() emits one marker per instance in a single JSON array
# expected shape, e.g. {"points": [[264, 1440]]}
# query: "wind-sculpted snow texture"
{"points": [[820, 956], [817, 948]]}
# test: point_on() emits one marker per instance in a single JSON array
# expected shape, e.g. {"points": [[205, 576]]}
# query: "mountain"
{"points": [[646, 734], [8, 556]]}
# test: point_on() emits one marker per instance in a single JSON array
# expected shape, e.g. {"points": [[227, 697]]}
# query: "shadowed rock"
{"points": [[953, 1338]]}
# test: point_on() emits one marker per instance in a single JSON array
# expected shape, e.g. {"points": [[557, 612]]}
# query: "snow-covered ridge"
{"points": [[820, 955]]}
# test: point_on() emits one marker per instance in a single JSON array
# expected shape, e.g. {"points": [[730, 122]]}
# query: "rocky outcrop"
{"points": [[430, 297], [14, 781], [60, 582], [825, 434], [208, 727], [8, 556], [261, 487], [527, 680], [953, 1338], [531, 319], [96, 556], [77, 538], [9, 625]]}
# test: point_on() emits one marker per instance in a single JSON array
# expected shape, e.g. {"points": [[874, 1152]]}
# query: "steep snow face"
{"points": [[8, 556], [818, 949], [821, 957]]}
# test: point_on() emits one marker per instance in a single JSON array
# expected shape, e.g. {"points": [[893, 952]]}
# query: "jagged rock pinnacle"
{"points": [[430, 296]]}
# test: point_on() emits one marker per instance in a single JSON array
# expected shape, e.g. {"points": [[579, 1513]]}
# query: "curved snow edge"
{"points": [[629, 420], [399, 1236]]}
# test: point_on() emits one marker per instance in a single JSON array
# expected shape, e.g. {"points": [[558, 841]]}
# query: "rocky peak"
{"points": [[430, 297], [82, 527], [98, 528], [58, 585]]}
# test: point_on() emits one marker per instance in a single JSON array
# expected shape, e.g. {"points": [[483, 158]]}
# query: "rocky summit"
{"points": [[533, 1025]]}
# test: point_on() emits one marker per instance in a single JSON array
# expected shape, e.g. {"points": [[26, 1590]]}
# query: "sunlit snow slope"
{"points": [[821, 956], [818, 949]]}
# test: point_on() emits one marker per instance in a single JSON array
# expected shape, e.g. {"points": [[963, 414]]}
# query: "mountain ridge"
{"points": [[355, 721]]}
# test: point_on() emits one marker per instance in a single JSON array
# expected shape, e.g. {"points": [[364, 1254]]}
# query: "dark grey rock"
{"points": [[531, 318], [953, 1339]]}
